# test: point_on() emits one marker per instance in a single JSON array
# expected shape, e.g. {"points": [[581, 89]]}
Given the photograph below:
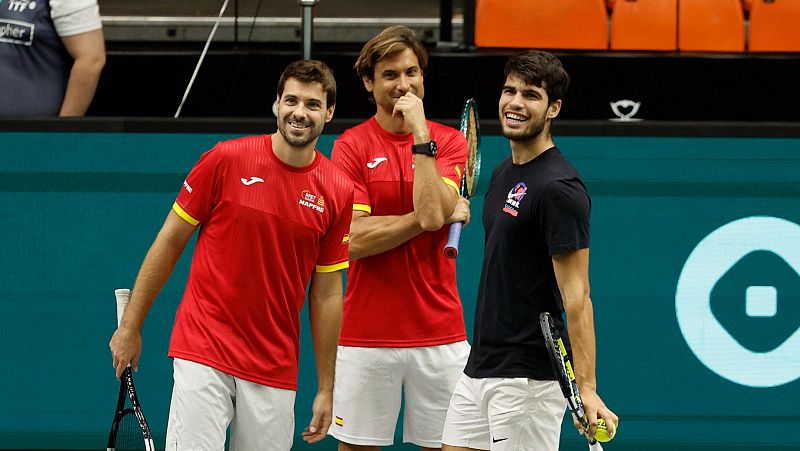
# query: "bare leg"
{"points": [[348, 447], [456, 448]]}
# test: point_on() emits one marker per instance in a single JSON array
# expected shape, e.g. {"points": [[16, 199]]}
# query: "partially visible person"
{"points": [[536, 259], [51, 56], [403, 334], [274, 216]]}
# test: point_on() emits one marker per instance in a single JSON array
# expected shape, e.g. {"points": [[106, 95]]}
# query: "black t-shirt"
{"points": [[531, 212]]}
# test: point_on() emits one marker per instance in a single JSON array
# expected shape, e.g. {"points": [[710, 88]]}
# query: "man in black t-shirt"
{"points": [[536, 259]]}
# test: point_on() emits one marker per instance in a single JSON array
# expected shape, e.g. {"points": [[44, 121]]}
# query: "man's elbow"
{"points": [[433, 217], [90, 61], [430, 222], [99, 62], [354, 253], [94, 63], [356, 247], [579, 305]]}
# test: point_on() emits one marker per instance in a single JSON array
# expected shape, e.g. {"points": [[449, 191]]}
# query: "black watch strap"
{"points": [[429, 148]]}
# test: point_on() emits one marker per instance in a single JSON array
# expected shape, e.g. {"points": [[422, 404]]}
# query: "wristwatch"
{"points": [[428, 148]]}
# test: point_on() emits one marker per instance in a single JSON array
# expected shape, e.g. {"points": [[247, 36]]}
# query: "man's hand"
{"points": [[596, 408], [321, 420], [410, 106], [126, 347], [461, 213]]}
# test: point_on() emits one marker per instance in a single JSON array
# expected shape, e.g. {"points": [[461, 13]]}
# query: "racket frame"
{"points": [[467, 191], [562, 366], [127, 389]]}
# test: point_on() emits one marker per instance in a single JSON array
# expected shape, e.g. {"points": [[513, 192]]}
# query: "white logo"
{"points": [[312, 201], [16, 32], [625, 104], [707, 338], [21, 5], [374, 163], [188, 188], [252, 180]]}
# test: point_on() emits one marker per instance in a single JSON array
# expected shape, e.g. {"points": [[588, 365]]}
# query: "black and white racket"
{"points": [[129, 430], [469, 180], [565, 374]]}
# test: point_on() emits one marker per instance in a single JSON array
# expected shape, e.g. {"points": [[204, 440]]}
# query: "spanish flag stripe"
{"points": [[332, 268], [186, 216]]}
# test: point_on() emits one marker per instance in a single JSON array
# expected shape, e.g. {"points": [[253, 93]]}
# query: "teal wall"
{"points": [[78, 211]]}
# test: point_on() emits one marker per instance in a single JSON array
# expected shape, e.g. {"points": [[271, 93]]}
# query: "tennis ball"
{"points": [[602, 431]]}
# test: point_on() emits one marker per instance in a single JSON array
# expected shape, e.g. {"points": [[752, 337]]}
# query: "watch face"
{"points": [[428, 148]]}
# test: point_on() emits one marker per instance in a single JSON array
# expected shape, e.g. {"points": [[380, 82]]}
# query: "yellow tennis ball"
{"points": [[601, 435]]}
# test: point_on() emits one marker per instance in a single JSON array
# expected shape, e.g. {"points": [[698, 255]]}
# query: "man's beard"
{"points": [[299, 141], [525, 135]]}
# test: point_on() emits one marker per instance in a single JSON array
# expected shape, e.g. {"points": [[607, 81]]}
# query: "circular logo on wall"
{"points": [[708, 339]]}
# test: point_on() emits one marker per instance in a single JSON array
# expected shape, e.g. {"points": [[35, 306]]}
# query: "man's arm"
{"points": [[572, 275], [372, 235], [325, 314], [434, 200], [89, 54], [126, 343]]}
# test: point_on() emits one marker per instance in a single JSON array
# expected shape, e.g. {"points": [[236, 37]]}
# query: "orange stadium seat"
{"points": [[644, 25], [774, 26], [711, 26], [553, 24]]}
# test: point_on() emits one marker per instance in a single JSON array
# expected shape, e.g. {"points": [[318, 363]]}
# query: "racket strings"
{"points": [[130, 436], [472, 166]]}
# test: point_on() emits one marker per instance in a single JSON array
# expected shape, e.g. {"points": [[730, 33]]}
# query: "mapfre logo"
{"points": [[312, 201]]}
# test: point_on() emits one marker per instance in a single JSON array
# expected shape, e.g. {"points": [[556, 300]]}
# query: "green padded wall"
{"points": [[683, 367]]}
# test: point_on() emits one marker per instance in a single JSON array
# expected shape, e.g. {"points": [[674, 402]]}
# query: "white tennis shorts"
{"points": [[205, 401], [370, 383], [505, 414]]}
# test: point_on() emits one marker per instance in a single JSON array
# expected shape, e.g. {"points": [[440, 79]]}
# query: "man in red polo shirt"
{"points": [[274, 214], [403, 329]]}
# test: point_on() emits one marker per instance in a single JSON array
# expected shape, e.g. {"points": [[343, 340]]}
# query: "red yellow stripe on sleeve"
{"points": [[452, 184], [333, 268], [362, 207], [186, 216]]}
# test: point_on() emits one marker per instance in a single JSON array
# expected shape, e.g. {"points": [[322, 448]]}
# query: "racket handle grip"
{"points": [[453, 237], [123, 295]]}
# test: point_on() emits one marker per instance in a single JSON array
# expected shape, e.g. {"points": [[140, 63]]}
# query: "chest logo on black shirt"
{"points": [[312, 201], [514, 198], [21, 5], [16, 32]]}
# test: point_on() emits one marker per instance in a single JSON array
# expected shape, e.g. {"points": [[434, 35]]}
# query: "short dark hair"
{"points": [[310, 71], [542, 69], [389, 42]]}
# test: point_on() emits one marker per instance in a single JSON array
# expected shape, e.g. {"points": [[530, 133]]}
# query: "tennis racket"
{"points": [[566, 376], [129, 430], [469, 180]]}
